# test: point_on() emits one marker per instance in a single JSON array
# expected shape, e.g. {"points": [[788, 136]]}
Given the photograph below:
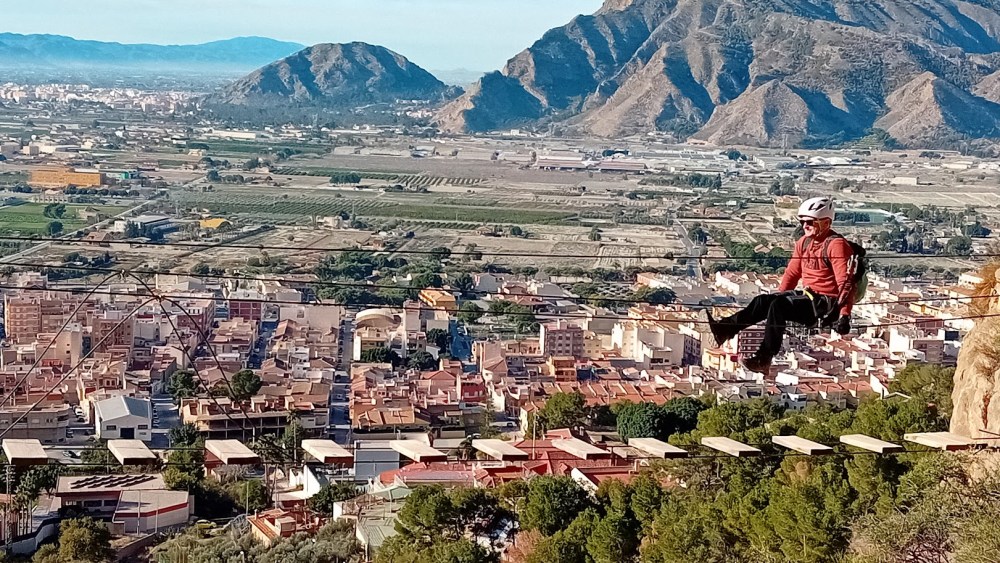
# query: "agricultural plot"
{"points": [[248, 148], [409, 180], [9, 178], [262, 205], [29, 218]]}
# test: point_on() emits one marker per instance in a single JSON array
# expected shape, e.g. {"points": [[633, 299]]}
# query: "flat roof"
{"points": [[24, 451], [131, 452], [327, 451], [730, 446], [231, 452], [946, 441], [657, 448], [500, 450], [801, 445], [870, 444], [417, 451], [579, 448]]}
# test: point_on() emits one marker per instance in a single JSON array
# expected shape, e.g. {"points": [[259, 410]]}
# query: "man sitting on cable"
{"points": [[822, 260]]}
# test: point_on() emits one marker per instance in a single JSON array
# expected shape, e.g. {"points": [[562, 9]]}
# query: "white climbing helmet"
{"points": [[816, 208]]}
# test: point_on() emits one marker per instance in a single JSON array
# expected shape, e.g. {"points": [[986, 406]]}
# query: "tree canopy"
{"points": [[795, 509], [244, 384]]}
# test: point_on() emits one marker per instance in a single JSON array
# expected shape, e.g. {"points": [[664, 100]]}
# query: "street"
{"points": [[166, 415], [340, 389]]}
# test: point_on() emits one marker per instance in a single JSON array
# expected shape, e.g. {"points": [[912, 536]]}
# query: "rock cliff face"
{"points": [[977, 379], [756, 71]]}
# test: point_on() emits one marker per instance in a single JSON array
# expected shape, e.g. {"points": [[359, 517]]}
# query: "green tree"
{"points": [[184, 435], [463, 283], [85, 540], [563, 410], [615, 538], [47, 553], [439, 337], [332, 493], [185, 471], [54, 228], [516, 231], [960, 245], [381, 355], [421, 360], [569, 545], [249, 494], [244, 384], [425, 280], [641, 420], [811, 517], [469, 313], [439, 253], [658, 296], [182, 385], [931, 383], [552, 503], [682, 414]]}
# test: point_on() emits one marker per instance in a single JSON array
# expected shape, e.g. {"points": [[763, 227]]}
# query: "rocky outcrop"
{"points": [[976, 396], [336, 75], [727, 71]]}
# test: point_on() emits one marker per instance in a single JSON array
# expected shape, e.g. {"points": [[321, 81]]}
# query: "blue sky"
{"points": [[436, 34]]}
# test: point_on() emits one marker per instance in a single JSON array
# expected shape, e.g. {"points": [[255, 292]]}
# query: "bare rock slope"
{"points": [[976, 395], [755, 71], [336, 74]]}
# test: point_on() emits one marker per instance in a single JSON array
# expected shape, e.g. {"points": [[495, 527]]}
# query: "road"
{"points": [[461, 342], [690, 249], [168, 416], [340, 390]]}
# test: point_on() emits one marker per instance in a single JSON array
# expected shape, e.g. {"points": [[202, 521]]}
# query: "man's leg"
{"points": [[755, 312], [798, 309]]}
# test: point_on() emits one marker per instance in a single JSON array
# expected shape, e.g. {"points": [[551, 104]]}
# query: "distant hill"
{"points": [[56, 52], [759, 72], [336, 75]]}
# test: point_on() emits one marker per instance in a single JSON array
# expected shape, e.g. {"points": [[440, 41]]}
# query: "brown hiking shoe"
{"points": [[757, 364], [718, 331]]}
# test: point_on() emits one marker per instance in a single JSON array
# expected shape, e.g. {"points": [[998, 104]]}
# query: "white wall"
{"points": [[101, 427]]}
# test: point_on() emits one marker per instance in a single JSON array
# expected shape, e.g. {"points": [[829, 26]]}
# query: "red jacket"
{"points": [[835, 279]]}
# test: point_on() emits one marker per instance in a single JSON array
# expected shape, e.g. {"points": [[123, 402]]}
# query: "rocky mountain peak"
{"points": [[763, 72], [336, 74]]}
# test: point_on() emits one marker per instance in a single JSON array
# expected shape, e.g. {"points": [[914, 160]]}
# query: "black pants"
{"points": [[778, 309]]}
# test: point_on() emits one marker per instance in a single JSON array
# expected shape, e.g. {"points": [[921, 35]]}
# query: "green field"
{"points": [[250, 148], [9, 178], [28, 218], [264, 206]]}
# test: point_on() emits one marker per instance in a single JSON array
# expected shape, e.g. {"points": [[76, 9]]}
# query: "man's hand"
{"points": [[843, 325]]}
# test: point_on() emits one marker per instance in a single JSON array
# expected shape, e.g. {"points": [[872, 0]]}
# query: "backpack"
{"points": [[858, 265]]}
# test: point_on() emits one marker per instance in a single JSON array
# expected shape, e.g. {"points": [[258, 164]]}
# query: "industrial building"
{"points": [[63, 177]]}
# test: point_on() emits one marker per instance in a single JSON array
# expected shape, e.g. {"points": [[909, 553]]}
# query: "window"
{"points": [[111, 427], [91, 503], [111, 503]]}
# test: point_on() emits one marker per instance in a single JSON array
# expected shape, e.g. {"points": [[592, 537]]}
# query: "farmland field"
{"points": [[28, 218], [263, 205], [411, 180], [13, 177]]}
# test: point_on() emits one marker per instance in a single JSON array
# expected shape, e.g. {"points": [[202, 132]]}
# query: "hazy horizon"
{"points": [[435, 34]]}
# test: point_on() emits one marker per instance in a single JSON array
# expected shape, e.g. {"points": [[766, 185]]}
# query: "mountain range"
{"points": [[331, 74], [57, 52], [755, 72]]}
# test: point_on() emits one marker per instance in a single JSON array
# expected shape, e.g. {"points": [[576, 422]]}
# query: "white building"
{"points": [[125, 418]]}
